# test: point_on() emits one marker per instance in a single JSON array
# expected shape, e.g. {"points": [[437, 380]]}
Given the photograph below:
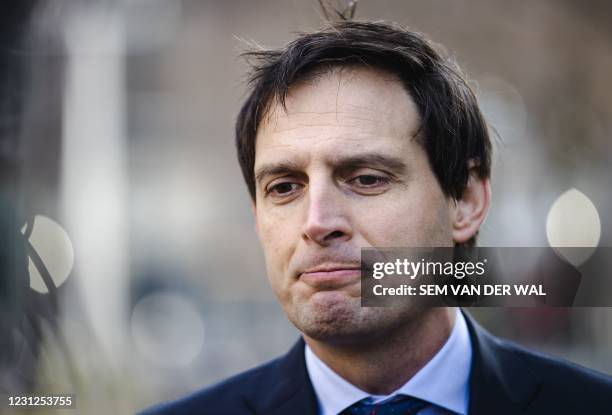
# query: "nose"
{"points": [[327, 215]]}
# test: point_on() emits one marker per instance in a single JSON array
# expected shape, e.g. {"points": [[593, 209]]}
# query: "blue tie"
{"points": [[398, 405]]}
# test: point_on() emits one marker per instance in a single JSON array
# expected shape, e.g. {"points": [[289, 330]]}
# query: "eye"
{"points": [[369, 183], [369, 180], [283, 188]]}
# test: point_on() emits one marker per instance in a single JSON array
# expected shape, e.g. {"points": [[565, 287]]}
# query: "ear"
{"points": [[471, 210]]}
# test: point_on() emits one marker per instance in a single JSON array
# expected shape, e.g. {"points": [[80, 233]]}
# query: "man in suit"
{"points": [[363, 135]]}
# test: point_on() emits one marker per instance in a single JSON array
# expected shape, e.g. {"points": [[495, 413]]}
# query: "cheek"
{"points": [[415, 218], [277, 234]]}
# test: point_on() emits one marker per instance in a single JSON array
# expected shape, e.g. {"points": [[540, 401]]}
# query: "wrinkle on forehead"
{"points": [[362, 98]]}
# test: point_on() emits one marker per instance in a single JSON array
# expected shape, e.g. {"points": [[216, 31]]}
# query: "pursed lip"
{"points": [[331, 276]]}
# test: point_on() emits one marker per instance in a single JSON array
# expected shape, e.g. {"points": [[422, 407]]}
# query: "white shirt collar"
{"points": [[443, 381]]}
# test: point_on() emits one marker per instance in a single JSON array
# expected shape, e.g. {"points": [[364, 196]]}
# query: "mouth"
{"points": [[331, 277]]}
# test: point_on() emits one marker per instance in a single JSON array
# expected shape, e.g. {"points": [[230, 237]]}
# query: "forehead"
{"points": [[342, 110]]}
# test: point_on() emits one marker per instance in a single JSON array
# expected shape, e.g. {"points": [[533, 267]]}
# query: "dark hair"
{"points": [[453, 131]]}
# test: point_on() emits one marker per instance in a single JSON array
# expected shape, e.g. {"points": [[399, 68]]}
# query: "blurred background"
{"points": [[130, 269]]}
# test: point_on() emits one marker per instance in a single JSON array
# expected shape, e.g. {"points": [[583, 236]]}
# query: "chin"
{"points": [[336, 317], [333, 316]]}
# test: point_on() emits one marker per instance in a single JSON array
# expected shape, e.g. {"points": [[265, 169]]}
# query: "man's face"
{"points": [[339, 170]]}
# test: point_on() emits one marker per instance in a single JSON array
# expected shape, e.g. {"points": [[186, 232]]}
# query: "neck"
{"points": [[384, 364]]}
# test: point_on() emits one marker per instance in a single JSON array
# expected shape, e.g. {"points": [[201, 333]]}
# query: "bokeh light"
{"points": [[573, 221], [167, 330], [53, 249]]}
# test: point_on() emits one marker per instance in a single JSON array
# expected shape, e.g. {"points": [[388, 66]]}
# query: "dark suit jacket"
{"points": [[504, 379]]}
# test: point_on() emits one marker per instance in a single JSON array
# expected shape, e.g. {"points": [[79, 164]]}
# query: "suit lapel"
{"points": [[500, 380], [287, 389]]}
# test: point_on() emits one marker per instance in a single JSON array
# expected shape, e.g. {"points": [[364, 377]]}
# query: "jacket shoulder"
{"points": [[530, 382], [564, 381], [558, 370], [223, 397]]}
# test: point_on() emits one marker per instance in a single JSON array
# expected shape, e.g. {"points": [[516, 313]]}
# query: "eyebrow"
{"points": [[342, 163], [273, 169], [393, 163]]}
